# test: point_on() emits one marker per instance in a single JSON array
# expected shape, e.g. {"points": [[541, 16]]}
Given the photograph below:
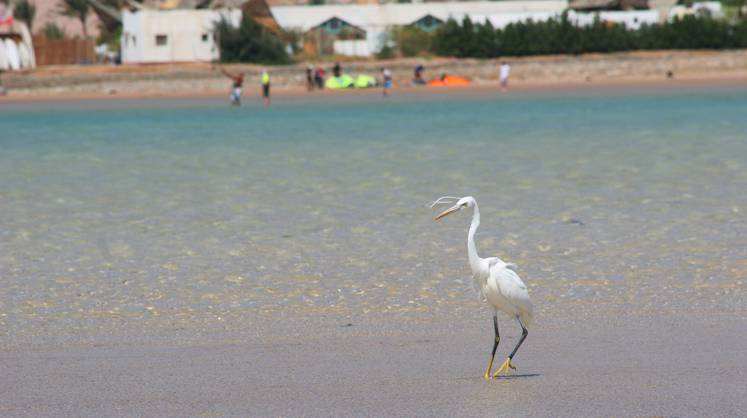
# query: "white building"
{"points": [[632, 19], [376, 20], [704, 8], [180, 35]]}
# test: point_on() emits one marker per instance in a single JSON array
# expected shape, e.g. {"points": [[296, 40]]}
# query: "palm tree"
{"points": [[25, 11], [77, 9]]}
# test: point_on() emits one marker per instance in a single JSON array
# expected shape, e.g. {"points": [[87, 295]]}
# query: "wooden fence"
{"points": [[63, 51]]}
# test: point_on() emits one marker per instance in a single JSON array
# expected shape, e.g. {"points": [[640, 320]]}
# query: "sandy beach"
{"points": [[173, 256], [295, 93], [677, 69]]}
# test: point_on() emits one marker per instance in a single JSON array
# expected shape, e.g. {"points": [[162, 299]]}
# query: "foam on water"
{"points": [[157, 216]]}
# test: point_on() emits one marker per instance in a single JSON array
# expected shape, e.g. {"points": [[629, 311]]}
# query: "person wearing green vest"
{"points": [[265, 86]]}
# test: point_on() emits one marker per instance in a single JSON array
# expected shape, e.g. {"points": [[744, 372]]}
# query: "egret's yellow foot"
{"points": [[487, 372], [505, 367]]}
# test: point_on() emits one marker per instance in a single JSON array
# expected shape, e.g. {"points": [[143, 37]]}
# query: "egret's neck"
{"points": [[474, 259]]}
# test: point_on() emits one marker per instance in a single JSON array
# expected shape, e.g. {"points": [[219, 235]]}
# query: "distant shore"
{"points": [[643, 68]]}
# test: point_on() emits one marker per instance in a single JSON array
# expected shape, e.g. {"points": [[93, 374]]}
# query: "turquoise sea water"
{"points": [[169, 214]]}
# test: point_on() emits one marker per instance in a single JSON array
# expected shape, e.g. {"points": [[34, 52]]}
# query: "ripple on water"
{"points": [[140, 220]]}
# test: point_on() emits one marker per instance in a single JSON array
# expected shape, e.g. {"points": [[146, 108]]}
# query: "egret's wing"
{"points": [[495, 261], [514, 290]]}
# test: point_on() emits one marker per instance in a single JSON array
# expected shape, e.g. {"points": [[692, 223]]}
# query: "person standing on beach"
{"points": [[418, 79], [309, 78], [265, 78], [238, 81], [505, 69], [386, 75], [319, 78], [337, 70]]}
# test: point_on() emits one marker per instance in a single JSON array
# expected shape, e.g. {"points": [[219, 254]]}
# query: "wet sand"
{"points": [[622, 366]]}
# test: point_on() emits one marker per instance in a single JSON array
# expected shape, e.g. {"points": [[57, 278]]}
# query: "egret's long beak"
{"points": [[446, 212]]}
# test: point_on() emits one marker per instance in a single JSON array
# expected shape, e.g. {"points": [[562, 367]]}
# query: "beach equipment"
{"points": [[364, 81], [495, 281], [450, 80], [4, 64], [342, 82], [25, 54], [14, 58]]}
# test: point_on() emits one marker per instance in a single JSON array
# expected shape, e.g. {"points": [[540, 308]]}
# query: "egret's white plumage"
{"points": [[504, 290], [494, 279]]}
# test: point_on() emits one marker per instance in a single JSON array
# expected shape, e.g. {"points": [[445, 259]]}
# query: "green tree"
{"points": [[562, 36], [76, 9], [412, 41], [486, 41], [250, 42], [447, 38], [25, 11], [52, 31]]}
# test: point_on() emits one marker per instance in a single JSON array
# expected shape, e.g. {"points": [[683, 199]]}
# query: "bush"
{"points": [[250, 42], [413, 41], [561, 36], [387, 52], [52, 31]]}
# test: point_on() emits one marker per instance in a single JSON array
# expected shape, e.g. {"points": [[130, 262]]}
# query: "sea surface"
{"points": [[174, 217]]}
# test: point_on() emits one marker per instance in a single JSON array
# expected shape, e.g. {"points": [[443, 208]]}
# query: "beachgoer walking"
{"points": [[387, 78], [265, 78], [505, 69], [309, 78], [238, 81], [418, 79]]}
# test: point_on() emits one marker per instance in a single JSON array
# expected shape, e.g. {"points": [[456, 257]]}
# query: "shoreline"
{"points": [[697, 81], [703, 68]]}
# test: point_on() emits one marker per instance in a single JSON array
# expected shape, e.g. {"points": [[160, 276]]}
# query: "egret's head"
{"points": [[465, 202]]}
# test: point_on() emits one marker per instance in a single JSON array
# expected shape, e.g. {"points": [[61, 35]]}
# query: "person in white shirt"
{"points": [[504, 71], [387, 80]]}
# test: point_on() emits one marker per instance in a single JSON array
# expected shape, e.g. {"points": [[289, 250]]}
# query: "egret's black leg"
{"points": [[507, 366], [524, 334], [497, 340]]}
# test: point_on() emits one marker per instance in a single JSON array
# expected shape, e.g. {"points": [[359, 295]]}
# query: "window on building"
{"points": [[428, 23], [204, 37], [161, 40], [334, 24]]}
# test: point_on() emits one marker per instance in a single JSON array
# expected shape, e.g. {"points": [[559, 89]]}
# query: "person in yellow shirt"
{"points": [[265, 78]]}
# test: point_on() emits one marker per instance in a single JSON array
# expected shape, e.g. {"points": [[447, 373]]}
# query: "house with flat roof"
{"points": [[176, 35]]}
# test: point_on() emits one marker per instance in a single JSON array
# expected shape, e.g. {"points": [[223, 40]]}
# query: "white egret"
{"points": [[495, 281]]}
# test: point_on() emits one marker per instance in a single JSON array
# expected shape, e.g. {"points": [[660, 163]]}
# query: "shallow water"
{"points": [[150, 216]]}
